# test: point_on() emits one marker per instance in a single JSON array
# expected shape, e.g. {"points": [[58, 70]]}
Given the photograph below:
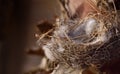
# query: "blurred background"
{"points": [[18, 22]]}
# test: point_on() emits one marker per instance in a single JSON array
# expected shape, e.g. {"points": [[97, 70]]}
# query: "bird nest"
{"points": [[82, 43], [79, 45], [87, 42]]}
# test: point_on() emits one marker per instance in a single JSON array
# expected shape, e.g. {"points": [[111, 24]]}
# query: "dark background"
{"points": [[18, 19]]}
